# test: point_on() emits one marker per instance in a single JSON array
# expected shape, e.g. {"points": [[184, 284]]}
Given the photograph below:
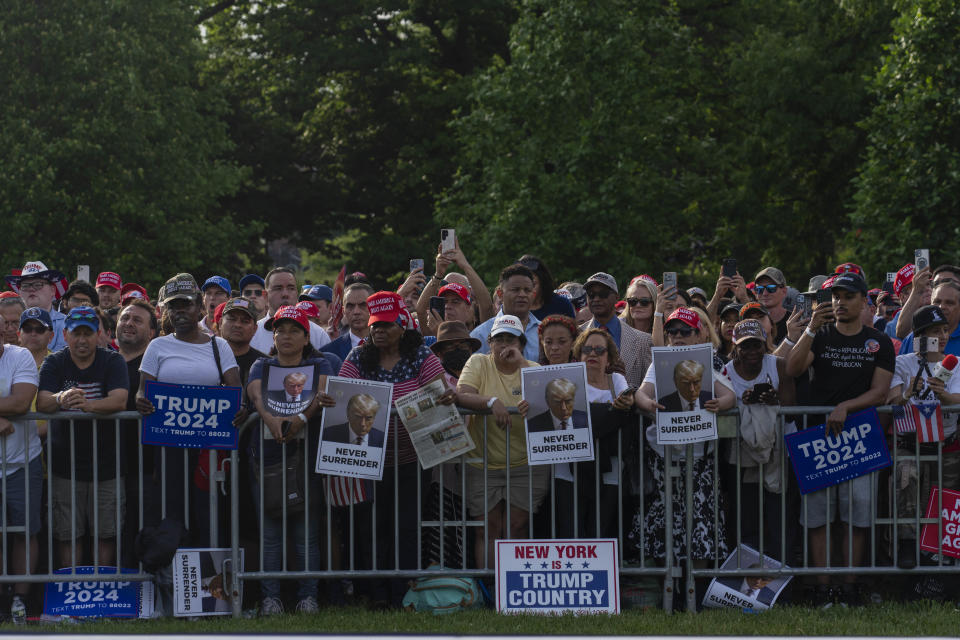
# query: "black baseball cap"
{"points": [[850, 281], [926, 317]]}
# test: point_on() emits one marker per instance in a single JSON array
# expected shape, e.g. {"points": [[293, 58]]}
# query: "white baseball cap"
{"points": [[507, 324]]}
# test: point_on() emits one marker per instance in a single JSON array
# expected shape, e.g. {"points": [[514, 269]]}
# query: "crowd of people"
{"points": [[92, 347]]}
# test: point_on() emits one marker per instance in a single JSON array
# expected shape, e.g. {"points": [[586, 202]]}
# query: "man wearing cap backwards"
{"points": [[39, 286], [852, 368], [946, 295], [516, 287], [771, 289], [108, 286], [911, 384], [356, 314], [281, 283], [216, 291], [320, 296], [635, 346], [84, 377]]}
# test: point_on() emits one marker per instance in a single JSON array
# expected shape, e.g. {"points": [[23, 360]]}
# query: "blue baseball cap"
{"points": [[82, 317], [251, 278], [317, 292], [36, 313], [219, 281]]}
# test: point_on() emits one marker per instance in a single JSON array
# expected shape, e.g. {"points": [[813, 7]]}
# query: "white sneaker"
{"points": [[271, 607], [308, 605]]}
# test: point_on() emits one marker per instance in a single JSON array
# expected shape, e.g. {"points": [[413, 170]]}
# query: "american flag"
{"points": [[343, 491], [924, 418]]}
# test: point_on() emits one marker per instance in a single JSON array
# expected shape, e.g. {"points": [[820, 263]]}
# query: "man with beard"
{"points": [[356, 314], [108, 287], [852, 369]]}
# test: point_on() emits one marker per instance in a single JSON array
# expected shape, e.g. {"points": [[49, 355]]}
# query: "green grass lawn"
{"points": [[889, 619]]}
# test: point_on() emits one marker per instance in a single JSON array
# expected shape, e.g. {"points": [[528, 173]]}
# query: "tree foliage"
{"points": [[112, 153], [340, 109], [908, 188]]}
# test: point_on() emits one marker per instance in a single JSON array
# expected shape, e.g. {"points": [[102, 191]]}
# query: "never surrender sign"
{"points": [[820, 460], [557, 576], [191, 416]]}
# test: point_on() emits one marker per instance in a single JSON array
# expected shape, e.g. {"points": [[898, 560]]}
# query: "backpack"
{"points": [[443, 595]]}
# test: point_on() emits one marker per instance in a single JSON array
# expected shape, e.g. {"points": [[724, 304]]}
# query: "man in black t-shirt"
{"points": [[85, 378], [852, 368]]}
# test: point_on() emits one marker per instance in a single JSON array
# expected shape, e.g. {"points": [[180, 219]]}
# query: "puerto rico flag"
{"points": [[924, 418]]}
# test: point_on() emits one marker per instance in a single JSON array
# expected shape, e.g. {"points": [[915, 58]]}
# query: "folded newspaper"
{"points": [[437, 430]]}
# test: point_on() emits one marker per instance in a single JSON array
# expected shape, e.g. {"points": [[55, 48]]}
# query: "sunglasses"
{"points": [[599, 292], [769, 288], [32, 328], [643, 302], [588, 350], [684, 332], [252, 293]]}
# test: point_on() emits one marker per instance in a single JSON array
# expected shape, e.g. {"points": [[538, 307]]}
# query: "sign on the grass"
{"points": [[191, 416], [758, 590], [201, 582], [950, 523], [88, 597], [557, 576], [820, 460]]}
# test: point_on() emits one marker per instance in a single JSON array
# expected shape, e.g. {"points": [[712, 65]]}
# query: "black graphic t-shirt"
{"points": [[843, 366]]}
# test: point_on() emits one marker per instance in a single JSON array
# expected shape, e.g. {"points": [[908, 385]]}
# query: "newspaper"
{"points": [[437, 430]]}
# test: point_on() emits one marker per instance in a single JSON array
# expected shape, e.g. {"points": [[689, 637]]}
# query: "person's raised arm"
{"points": [[724, 284], [801, 357], [921, 280], [479, 289]]}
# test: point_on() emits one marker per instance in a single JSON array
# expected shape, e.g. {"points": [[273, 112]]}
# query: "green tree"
{"points": [[590, 147], [908, 189], [341, 111], [112, 152]]}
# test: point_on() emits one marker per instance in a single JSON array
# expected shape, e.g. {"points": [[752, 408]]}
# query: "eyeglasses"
{"points": [[79, 302], [599, 292], [33, 328], [36, 285], [643, 302], [252, 293], [769, 288], [684, 332], [588, 350]]}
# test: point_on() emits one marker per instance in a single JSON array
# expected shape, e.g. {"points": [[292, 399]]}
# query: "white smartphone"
{"points": [[448, 240], [921, 257], [926, 345], [83, 272]]}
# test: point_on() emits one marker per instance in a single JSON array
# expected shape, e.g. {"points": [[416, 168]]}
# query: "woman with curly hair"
{"points": [[557, 333]]}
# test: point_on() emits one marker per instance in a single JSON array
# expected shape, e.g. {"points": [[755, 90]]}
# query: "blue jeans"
{"points": [[271, 540]]}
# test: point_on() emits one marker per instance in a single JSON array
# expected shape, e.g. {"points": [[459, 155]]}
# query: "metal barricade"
{"points": [[382, 538]]}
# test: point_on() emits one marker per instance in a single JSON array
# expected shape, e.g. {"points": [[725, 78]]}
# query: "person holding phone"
{"points": [[481, 304], [852, 368], [913, 288], [760, 384]]}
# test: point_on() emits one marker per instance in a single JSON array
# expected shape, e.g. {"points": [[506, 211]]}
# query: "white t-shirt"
{"points": [[17, 366], [906, 369], [263, 340], [180, 362]]}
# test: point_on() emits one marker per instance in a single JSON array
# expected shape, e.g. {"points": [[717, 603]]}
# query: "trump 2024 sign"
{"points": [[557, 576]]}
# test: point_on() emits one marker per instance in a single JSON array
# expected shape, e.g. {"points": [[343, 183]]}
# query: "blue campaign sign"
{"points": [[821, 460], [87, 597], [191, 416]]}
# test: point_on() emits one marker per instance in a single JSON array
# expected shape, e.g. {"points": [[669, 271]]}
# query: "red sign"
{"points": [[950, 520]]}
